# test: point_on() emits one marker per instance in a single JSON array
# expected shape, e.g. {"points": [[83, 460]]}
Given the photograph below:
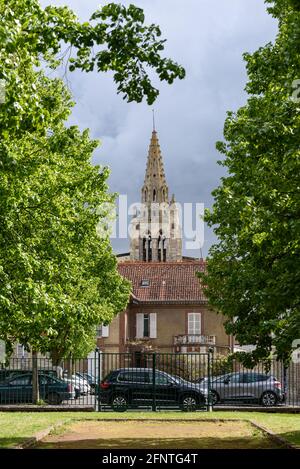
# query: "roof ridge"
{"points": [[130, 262]]}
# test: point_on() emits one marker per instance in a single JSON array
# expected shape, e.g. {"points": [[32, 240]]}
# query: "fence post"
{"points": [[98, 364], [285, 384], [154, 382], [35, 378], [209, 369]]}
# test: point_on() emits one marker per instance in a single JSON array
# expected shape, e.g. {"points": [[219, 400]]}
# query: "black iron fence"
{"points": [[269, 383], [155, 381]]}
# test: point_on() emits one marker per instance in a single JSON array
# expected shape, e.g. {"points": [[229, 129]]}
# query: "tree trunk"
{"points": [[35, 379]]}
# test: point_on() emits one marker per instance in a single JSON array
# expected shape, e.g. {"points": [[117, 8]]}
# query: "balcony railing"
{"points": [[192, 339]]}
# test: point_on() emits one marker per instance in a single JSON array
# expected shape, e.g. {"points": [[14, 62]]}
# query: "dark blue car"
{"points": [[18, 389]]}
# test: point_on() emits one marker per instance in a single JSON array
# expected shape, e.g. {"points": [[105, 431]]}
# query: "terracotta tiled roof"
{"points": [[169, 282]]}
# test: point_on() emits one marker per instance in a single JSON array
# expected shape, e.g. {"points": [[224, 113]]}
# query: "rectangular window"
{"points": [[194, 323], [146, 326], [20, 381], [134, 377], [21, 352], [102, 331]]}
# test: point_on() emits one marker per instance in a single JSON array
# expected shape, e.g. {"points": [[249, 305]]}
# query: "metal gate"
{"points": [[156, 381]]}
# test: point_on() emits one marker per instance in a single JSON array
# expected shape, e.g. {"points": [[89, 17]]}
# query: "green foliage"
{"points": [[189, 367], [253, 272], [116, 39], [221, 365], [192, 367], [58, 277]]}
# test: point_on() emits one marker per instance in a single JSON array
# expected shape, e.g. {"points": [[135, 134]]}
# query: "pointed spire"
{"points": [[153, 120], [155, 171], [165, 243], [155, 187]]}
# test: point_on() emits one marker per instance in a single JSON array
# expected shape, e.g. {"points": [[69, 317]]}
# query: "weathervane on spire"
{"points": [[153, 112]]}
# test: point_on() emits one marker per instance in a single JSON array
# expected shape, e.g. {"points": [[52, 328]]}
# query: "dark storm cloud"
{"points": [[208, 37]]}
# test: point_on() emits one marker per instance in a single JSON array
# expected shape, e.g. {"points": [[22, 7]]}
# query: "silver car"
{"points": [[246, 386]]}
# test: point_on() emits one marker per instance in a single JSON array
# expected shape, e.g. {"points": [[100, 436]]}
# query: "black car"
{"points": [[134, 387]]}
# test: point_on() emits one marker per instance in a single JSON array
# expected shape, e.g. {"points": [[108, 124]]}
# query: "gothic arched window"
{"points": [[144, 250], [162, 248], [147, 248], [154, 195]]}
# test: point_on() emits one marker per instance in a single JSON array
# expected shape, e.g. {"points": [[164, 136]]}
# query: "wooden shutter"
{"points": [[153, 328], [105, 331], [139, 325]]}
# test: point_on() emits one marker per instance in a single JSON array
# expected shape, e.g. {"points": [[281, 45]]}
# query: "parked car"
{"points": [[5, 374], [245, 387], [133, 387], [81, 386], [92, 381], [18, 389]]}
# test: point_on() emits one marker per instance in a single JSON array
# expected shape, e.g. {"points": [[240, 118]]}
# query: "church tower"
{"points": [[156, 232]]}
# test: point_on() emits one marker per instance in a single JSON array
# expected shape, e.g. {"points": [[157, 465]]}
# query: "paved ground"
{"points": [[158, 435]]}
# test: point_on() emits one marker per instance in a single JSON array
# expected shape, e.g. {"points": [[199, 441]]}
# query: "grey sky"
{"points": [[208, 37]]}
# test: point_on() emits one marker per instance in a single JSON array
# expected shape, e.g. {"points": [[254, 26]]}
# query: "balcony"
{"points": [[194, 339]]}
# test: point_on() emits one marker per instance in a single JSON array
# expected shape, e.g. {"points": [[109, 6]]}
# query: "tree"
{"points": [[253, 272], [116, 39], [58, 278]]}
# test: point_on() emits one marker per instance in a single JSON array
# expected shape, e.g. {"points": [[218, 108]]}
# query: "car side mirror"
{"points": [[226, 381]]}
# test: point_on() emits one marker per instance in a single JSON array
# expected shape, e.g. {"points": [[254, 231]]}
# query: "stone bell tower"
{"points": [[156, 231]]}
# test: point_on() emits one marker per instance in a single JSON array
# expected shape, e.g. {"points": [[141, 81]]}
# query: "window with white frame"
{"points": [[194, 323], [146, 326], [102, 331], [21, 352]]}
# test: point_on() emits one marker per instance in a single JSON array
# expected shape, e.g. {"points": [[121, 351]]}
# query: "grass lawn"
{"points": [[16, 427]]}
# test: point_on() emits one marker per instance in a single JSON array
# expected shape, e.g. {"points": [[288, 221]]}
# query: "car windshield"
{"points": [[87, 376], [178, 379]]}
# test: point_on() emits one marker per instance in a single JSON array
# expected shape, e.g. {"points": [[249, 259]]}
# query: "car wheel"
{"points": [[269, 399], [119, 403], [53, 399], [215, 398], [189, 403]]}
